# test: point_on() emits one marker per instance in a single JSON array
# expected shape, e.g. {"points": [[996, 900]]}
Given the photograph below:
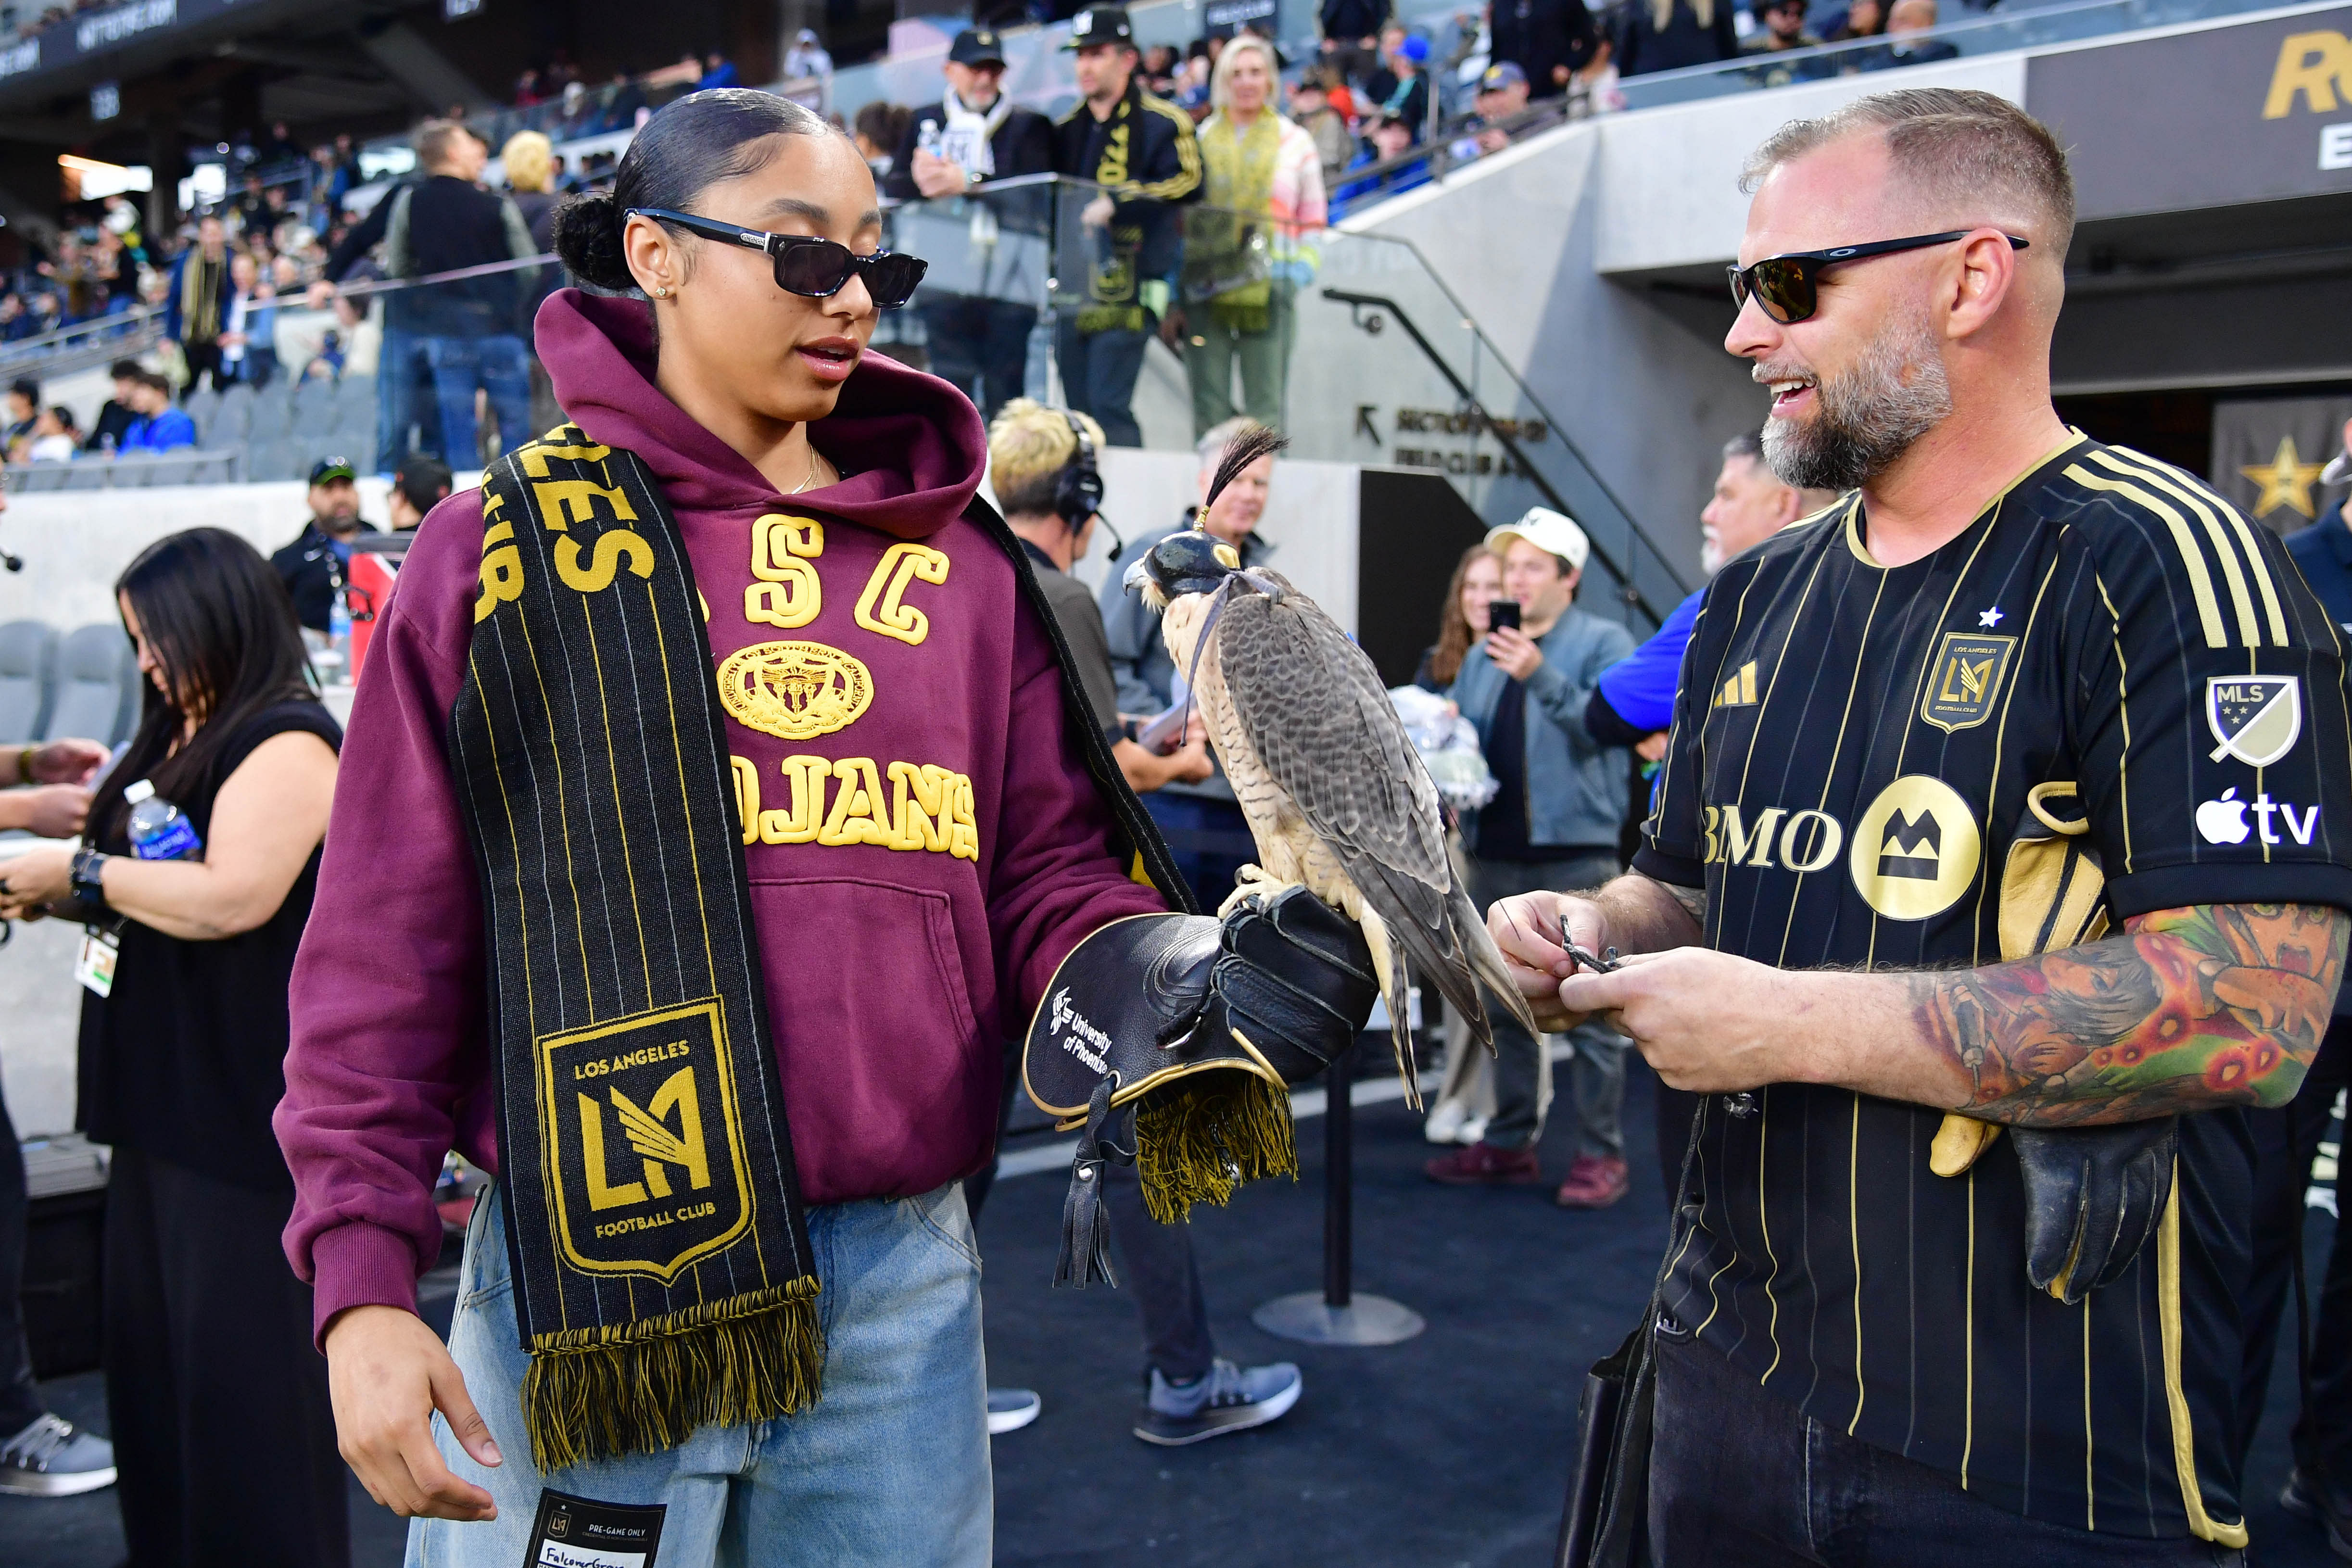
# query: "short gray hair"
{"points": [[1949, 144], [1747, 444]]}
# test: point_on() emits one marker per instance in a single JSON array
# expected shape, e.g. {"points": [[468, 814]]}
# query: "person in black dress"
{"points": [[212, 1385]]}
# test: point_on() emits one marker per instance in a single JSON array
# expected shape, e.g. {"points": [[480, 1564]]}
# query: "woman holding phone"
{"points": [[211, 1378]]}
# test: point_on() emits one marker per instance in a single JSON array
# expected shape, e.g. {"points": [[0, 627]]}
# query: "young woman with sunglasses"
{"points": [[823, 498]]}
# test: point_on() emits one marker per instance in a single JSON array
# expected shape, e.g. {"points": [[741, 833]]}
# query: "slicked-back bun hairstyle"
{"points": [[685, 149]]}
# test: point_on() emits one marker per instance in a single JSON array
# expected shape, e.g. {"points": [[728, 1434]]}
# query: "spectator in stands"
{"points": [[526, 89], [1667, 34], [422, 484], [808, 71], [159, 426], [197, 303], [211, 1381], [41, 1453], [529, 160], [1143, 150], [236, 335], [973, 135], [470, 334], [1310, 107], [718, 71], [1389, 138], [879, 128], [1502, 96], [1376, 79], [1478, 583], [1157, 72], [316, 566], [117, 413], [1206, 833], [1904, 22], [1863, 19], [280, 151], [56, 438], [1351, 31], [1784, 33], [73, 275], [1550, 40], [1248, 247], [1554, 823], [23, 408], [1408, 101]]}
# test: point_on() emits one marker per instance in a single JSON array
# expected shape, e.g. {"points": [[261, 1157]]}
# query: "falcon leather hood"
{"points": [[910, 447]]}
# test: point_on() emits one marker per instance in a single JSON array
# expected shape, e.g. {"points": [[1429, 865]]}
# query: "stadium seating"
{"points": [[28, 661], [96, 690]]}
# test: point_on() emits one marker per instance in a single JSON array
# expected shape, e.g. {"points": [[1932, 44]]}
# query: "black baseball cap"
{"points": [[977, 46], [1100, 25], [423, 479], [327, 471]]}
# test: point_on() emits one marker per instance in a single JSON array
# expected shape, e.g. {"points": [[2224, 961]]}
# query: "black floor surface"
{"points": [[1448, 1450]]}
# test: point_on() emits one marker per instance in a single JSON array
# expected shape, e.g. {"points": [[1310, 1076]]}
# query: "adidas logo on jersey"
{"points": [[1740, 691]]}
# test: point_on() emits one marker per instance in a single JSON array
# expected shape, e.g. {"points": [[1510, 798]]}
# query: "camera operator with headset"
{"points": [[1041, 464]]}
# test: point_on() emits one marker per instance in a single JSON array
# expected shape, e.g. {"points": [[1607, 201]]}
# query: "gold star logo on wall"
{"points": [[2286, 481]]}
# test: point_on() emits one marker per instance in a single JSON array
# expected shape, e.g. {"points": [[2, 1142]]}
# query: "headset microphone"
{"points": [[1078, 489]]}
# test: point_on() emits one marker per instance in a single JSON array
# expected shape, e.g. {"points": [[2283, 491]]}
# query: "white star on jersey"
{"points": [[1989, 617]]}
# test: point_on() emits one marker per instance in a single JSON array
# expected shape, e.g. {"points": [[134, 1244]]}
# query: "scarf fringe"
{"points": [[1209, 1133], [643, 1387]]}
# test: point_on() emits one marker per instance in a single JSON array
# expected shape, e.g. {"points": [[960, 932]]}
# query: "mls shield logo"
{"points": [[2256, 718], [1964, 679], [649, 1169]]}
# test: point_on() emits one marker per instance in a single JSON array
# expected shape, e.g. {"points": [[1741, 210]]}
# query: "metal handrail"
{"points": [[1621, 571]]}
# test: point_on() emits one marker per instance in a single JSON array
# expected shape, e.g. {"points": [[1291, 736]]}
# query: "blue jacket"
{"points": [[1576, 786], [2324, 551], [159, 433], [1641, 686]]}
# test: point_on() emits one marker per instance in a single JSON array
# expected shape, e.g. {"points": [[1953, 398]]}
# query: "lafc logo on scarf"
{"points": [[650, 1171]]}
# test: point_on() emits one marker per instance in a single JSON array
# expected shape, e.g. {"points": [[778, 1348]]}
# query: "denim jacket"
{"points": [[1576, 786]]}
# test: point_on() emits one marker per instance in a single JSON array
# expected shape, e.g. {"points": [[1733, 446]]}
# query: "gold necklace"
{"points": [[812, 473]]}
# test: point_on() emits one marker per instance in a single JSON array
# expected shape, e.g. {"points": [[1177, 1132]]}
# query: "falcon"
{"points": [[1335, 797]]}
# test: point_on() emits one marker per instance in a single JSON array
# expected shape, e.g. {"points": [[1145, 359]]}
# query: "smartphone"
{"points": [[1502, 613]]}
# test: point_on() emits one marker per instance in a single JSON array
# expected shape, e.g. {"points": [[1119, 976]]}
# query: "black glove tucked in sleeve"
{"points": [[2092, 1197]]}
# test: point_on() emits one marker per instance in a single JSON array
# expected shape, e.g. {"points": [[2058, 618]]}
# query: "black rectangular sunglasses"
{"points": [[1787, 286], [806, 265]]}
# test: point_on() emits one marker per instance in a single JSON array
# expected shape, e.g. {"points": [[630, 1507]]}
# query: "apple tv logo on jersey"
{"points": [[2223, 821]]}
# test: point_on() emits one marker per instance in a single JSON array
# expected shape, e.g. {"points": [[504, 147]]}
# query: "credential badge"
{"points": [[2256, 718]]}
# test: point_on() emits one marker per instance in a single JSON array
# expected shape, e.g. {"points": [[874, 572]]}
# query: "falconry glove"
{"points": [[1174, 1039], [2093, 1199]]}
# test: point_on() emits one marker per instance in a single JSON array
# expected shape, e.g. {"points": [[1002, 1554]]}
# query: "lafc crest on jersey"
{"points": [[1963, 679]]}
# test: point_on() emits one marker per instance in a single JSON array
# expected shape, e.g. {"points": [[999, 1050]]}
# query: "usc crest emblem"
{"points": [[649, 1169], [795, 690]]}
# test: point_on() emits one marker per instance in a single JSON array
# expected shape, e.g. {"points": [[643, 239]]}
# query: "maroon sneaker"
{"points": [[1484, 1165], [1594, 1182]]}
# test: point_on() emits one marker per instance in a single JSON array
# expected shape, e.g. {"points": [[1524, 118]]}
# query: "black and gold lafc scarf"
{"points": [[661, 1262]]}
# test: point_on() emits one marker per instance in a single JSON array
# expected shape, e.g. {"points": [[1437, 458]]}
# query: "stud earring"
{"points": [[661, 291]]}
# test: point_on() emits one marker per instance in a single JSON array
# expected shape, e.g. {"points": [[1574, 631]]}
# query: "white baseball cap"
{"points": [[1552, 531]]}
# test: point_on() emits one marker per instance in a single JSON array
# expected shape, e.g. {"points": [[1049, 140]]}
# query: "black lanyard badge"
{"points": [[579, 1533]]}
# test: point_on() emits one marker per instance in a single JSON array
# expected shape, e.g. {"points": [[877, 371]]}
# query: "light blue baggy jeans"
{"points": [[890, 1467]]}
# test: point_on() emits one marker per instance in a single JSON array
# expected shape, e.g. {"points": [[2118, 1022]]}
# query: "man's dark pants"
{"points": [[20, 1401], [1099, 372], [980, 346], [1739, 1477], [1209, 839], [2285, 1138]]}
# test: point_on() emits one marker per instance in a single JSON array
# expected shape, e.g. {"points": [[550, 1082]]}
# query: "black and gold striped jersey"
{"points": [[2110, 694]]}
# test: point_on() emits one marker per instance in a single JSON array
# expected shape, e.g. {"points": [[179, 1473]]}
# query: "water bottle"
{"points": [[158, 831], [927, 139], [339, 638]]}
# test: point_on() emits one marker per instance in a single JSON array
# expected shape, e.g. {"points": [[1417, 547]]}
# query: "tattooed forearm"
{"points": [[2190, 1008]]}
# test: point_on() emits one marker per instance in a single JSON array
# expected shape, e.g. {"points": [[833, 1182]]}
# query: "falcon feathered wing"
{"points": [[1313, 707]]}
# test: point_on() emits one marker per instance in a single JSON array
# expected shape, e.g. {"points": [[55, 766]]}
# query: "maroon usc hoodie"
{"points": [[893, 973]]}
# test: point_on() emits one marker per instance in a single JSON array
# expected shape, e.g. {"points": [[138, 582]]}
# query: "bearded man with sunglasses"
{"points": [[1993, 872]]}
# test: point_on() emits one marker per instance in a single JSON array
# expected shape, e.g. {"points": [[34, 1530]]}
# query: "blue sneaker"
{"points": [[53, 1458], [1227, 1398]]}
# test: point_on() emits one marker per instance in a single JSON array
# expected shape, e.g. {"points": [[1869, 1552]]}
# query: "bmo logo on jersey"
{"points": [[1913, 852], [2223, 821]]}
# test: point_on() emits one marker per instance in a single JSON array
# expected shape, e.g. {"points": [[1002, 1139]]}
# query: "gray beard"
{"points": [[1868, 418]]}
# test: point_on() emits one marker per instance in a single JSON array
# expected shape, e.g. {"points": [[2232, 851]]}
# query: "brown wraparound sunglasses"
{"points": [[1788, 287]]}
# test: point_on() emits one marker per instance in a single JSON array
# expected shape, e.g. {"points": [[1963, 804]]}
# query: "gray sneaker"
{"points": [[1227, 1398], [53, 1458]]}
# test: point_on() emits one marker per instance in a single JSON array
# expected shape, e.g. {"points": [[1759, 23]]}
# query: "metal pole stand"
{"points": [[1337, 1314]]}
